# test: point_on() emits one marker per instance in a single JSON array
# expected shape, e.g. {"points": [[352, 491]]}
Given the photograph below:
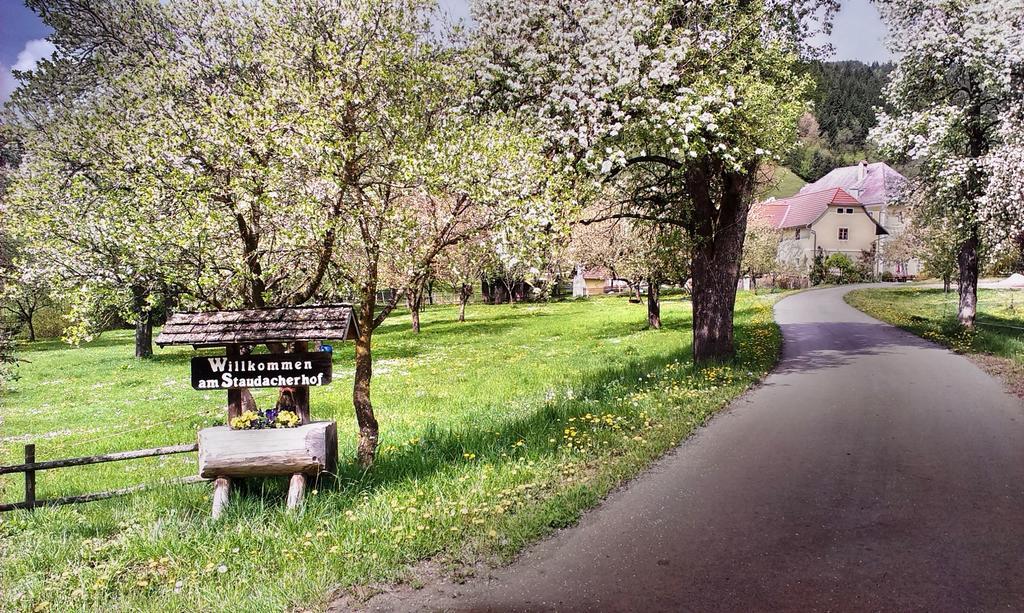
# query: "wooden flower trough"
{"points": [[275, 448]]}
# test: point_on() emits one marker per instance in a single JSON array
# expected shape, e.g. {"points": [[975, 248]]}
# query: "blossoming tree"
{"points": [[636, 251], [761, 250], [678, 102], [463, 266], [273, 152], [954, 105]]}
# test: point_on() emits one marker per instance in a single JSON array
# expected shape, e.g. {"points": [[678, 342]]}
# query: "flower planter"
{"points": [[309, 450]]}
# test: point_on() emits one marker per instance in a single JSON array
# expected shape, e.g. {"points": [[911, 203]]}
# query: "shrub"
{"points": [[842, 269], [818, 269], [49, 322]]}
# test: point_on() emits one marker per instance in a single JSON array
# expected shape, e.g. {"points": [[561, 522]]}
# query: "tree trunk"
{"points": [[715, 274], [143, 323], [144, 335], [414, 297], [653, 304], [465, 291], [719, 226], [945, 284], [967, 257], [368, 428], [967, 284], [31, 328], [486, 292]]}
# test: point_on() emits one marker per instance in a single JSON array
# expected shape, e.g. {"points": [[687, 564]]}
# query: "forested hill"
{"points": [[844, 100], [835, 133]]}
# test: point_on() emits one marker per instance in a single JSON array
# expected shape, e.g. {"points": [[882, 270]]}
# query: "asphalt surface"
{"points": [[872, 471]]}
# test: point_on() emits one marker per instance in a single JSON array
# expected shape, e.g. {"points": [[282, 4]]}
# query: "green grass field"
{"points": [[931, 314], [493, 432], [783, 184]]}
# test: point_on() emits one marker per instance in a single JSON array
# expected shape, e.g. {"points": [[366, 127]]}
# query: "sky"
{"points": [[858, 34]]}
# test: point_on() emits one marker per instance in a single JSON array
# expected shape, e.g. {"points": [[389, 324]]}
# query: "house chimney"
{"points": [[862, 170]]}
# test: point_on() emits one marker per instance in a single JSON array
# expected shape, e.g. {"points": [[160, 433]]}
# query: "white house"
{"points": [[877, 186], [830, 220]]}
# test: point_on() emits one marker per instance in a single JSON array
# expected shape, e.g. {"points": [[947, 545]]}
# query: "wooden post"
{"points": [[302, 392], [296, 491], [30, 476], [221, 489], [235, 393]]}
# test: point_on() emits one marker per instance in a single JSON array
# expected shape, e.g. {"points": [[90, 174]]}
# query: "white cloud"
{"points": [[34, 51], [7, 83]]}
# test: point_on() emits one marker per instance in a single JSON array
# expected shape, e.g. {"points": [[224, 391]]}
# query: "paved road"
{"points": [[871, 471]]}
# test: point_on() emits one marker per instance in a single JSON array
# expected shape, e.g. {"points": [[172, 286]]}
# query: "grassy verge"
{"points": [[494, 432], [931, 314]]}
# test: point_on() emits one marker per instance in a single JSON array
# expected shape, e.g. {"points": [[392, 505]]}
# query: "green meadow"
{"points": [[493, 432], [931, 313]]}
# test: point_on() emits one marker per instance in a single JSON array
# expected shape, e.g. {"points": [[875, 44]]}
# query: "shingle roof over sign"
{"points": [[256, 326]]}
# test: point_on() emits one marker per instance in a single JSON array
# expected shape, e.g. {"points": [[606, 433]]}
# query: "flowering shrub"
{"points": [[271, 418]]}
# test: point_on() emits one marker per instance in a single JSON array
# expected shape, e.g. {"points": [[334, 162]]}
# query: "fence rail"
{"points": [[30, 467]]}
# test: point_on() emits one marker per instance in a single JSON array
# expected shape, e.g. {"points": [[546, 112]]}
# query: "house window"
{"points": [[840, 210], [850, 211], [844, 234]]}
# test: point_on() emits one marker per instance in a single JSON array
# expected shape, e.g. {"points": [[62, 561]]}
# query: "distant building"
{"points": [[877, 186], [851, 210], [831, 220], [596, 281]]}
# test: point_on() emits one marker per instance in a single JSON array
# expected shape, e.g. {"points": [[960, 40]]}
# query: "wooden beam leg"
{"points": [[302, 404], [221, 489], [296, 491], [234, 394], [302, 392]]}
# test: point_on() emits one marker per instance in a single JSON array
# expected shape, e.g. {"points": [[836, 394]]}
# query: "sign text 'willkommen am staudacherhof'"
{"points": [[273, 370]]}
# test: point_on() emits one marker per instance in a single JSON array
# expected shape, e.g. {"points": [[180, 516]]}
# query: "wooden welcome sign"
{"points": [[226, 453], [273, 370]]}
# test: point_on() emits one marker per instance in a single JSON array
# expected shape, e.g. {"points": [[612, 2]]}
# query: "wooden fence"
{"points": [[30, 467]]}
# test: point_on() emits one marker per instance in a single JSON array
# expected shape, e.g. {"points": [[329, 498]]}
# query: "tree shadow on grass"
{"points": [[1011, 327], [54, 344], [440, 449], [439, 331]]}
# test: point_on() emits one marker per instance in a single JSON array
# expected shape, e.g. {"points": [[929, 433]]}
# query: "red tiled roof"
{"points": [[803, 209], [769, 213]]}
